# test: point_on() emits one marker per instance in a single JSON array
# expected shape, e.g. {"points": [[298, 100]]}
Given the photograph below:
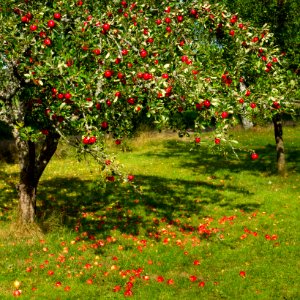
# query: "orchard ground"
{"points": [[199, 226]]}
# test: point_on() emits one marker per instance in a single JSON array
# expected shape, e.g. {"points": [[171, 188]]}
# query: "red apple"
{"points": [[92, 140], [17, 293], [252, 105], [42, 34], [168, 10], [184, 58], [108, 102], [33, 27], [51, 24], [130, 101], [24, 19], [254, 156], [217, 141], [60, 96], [197, 140], [180, 18], [199, 106], [165, 76], [206, 103], [120, 75], [47, 42], [224, 114], [143, 53], [193, 12], [57, 16], [130, 177], [124, 52], [108, 73], [68, 96], [168, 20], [106, 26], [150, 40], [97, 51], [104, 125], [45, 131]]}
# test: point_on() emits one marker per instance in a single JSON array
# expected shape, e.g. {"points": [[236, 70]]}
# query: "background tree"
{"points": [[283, 17], [75, 68]]}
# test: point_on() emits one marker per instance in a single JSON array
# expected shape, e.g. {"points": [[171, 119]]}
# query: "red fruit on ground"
{"points": [[242, 273], [17, 293]]}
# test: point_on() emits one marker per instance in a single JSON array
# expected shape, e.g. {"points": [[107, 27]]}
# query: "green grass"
{"points": [[230, 215]]}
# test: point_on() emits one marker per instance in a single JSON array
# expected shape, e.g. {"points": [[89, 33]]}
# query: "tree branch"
{"points": [[47, 151]]}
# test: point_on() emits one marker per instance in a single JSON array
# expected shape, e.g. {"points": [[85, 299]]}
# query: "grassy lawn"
{"points": [[200, 226]]}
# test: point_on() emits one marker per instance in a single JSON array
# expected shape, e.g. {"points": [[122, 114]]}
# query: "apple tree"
{"points": [[80, 70]]}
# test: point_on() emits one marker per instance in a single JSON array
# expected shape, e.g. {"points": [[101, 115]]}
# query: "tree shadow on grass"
{"points": [[199, 159], [85, 205]]}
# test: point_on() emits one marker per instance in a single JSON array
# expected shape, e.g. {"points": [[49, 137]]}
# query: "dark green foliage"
{"points": [[282, 15]]}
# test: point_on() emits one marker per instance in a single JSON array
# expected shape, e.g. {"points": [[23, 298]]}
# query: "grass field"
{"points": [[200, 226]]}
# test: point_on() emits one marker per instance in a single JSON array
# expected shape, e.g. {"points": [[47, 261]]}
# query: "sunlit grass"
{"points": [[197, 216]]}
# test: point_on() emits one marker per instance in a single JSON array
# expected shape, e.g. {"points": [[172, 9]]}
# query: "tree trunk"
{"points": [[27, 203], [32, 166], [279, 145]]}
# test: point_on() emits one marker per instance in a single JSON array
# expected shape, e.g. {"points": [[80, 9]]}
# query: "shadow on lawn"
{"points": [[130, 211], [200, 159]]}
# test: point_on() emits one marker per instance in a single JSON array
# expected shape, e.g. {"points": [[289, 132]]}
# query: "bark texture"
{"points": [[278, 132], [32, 165]]}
